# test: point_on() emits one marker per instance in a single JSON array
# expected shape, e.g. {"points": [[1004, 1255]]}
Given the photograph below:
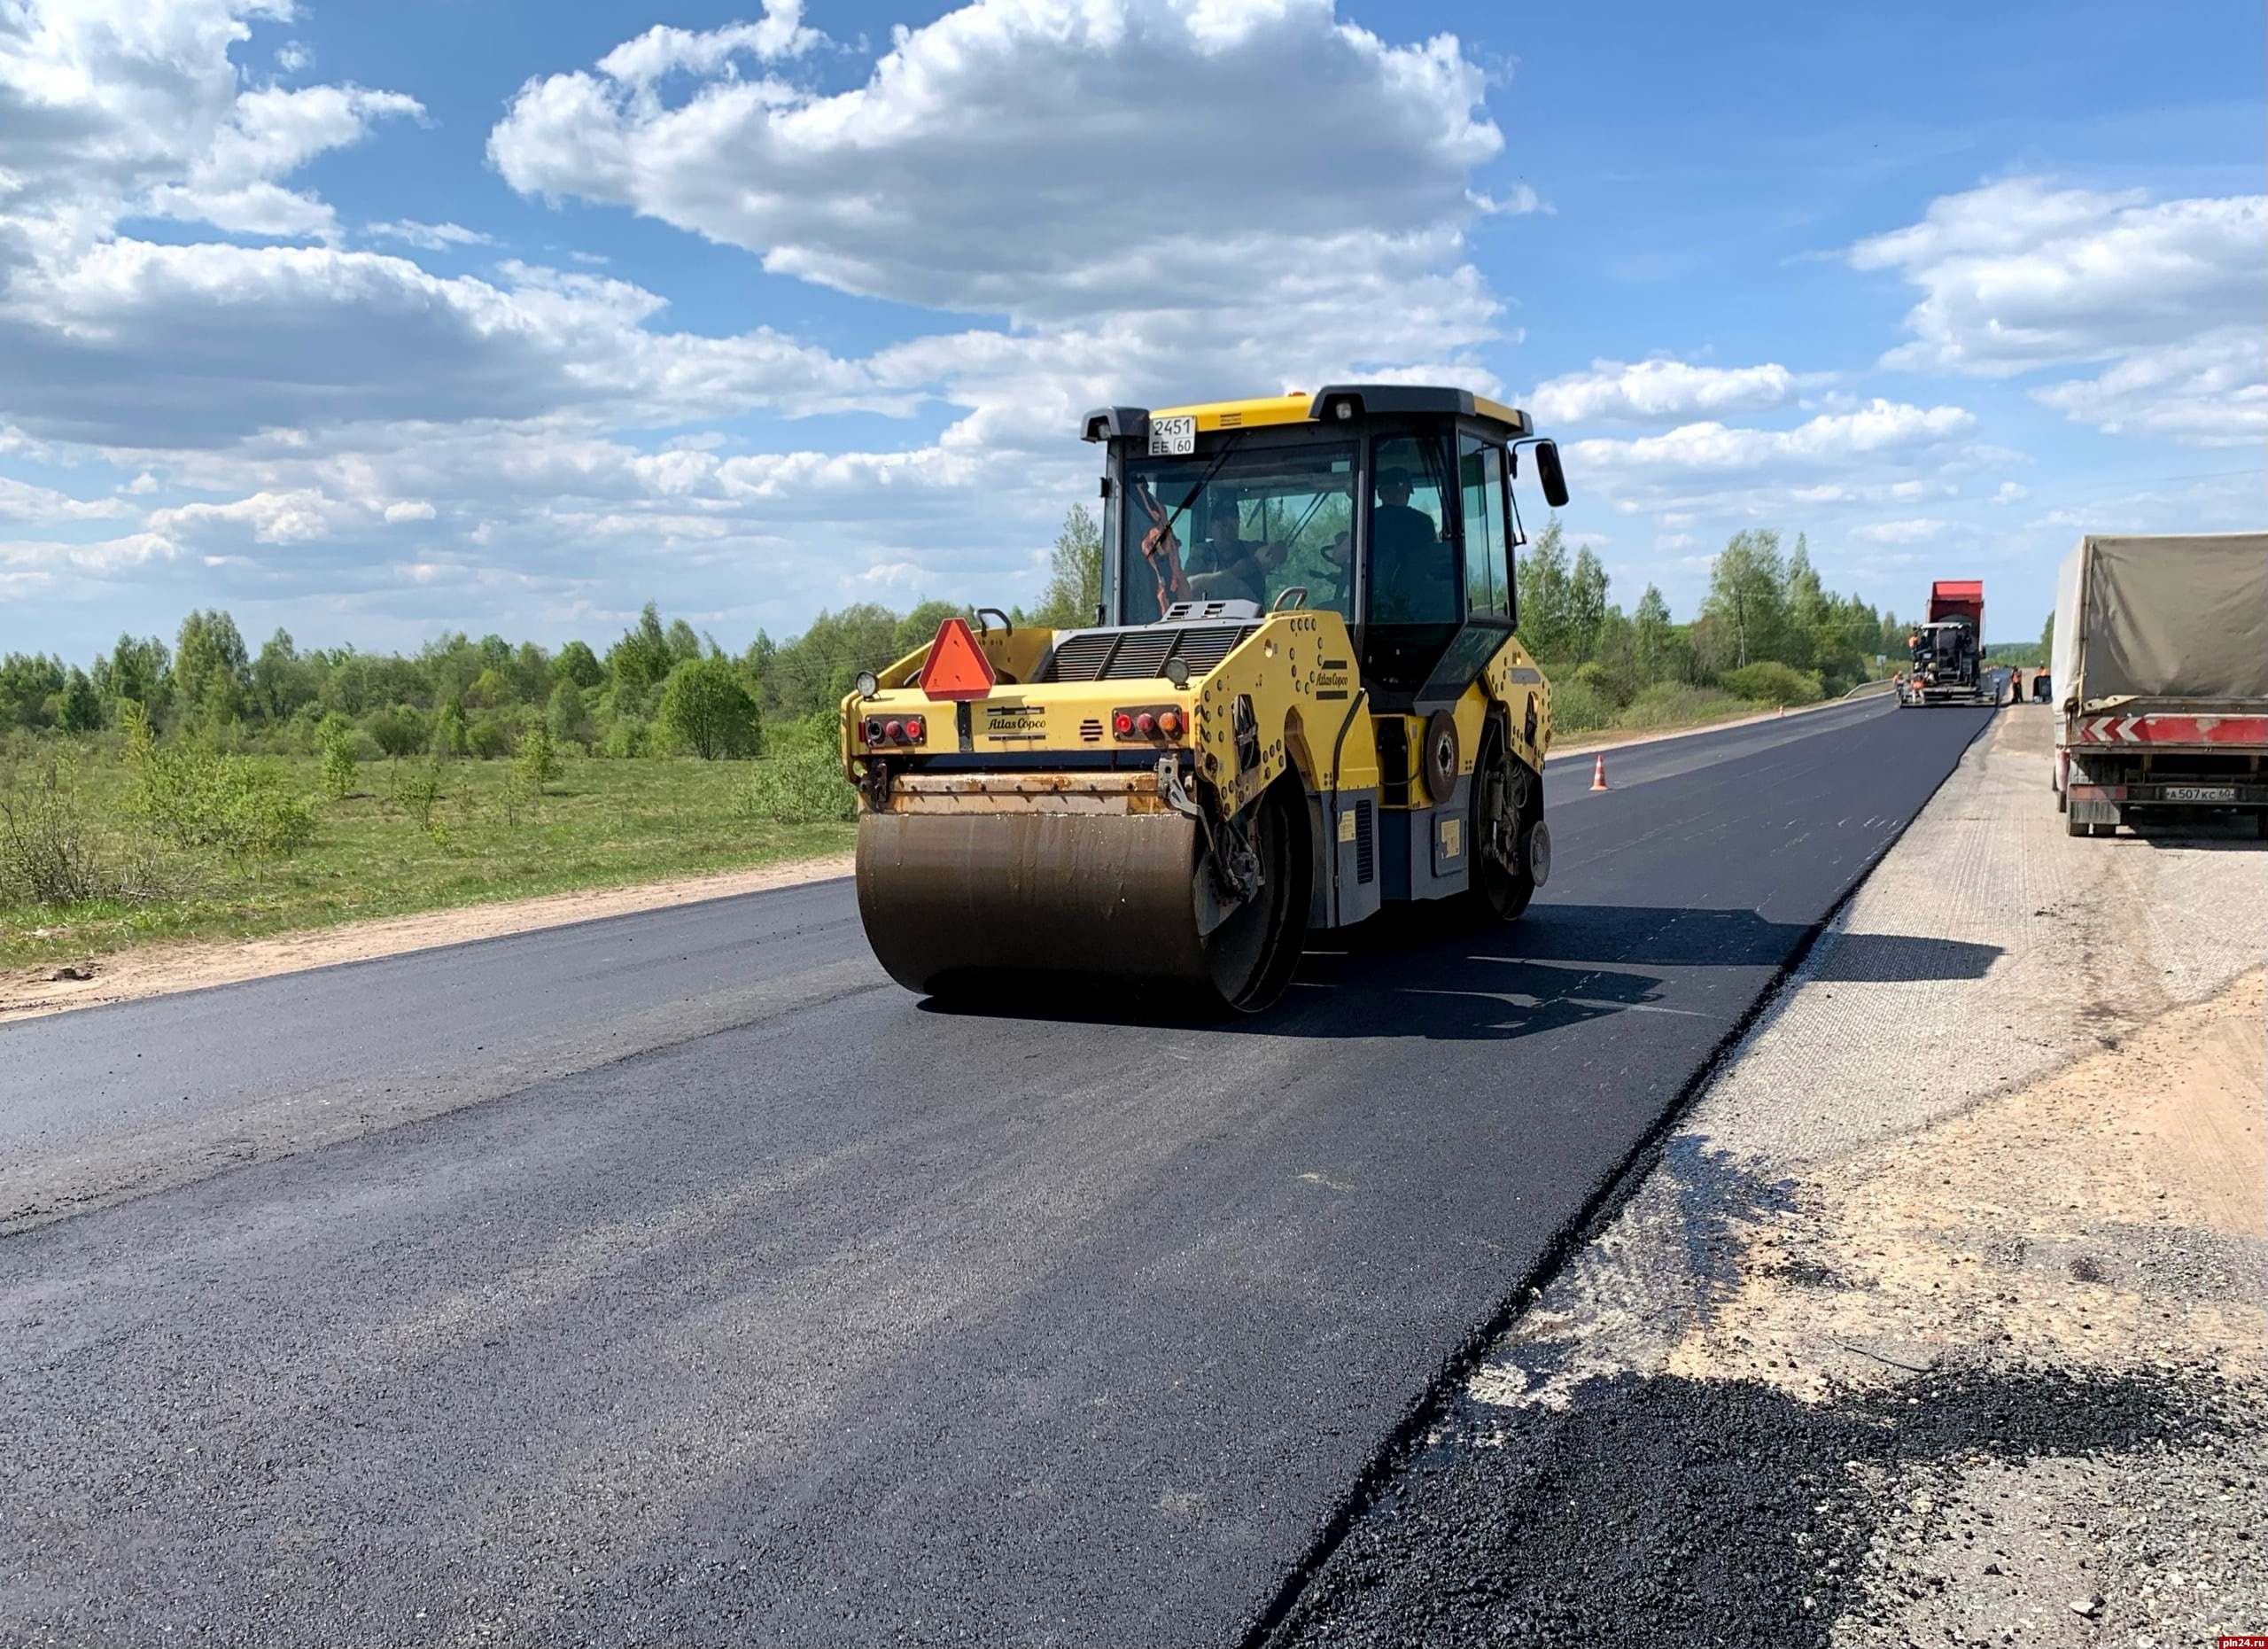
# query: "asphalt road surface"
{"points": [[676, 1279]]}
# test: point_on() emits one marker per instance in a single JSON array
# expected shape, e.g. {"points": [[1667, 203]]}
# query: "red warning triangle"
{"points": [[956, 667]]}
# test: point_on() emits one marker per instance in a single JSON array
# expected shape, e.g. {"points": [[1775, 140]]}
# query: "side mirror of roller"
{"points": [[1548, 472]]}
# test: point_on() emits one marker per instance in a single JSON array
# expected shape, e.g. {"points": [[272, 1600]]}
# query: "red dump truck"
{"points": [[1947, 663], [2160, 667]]}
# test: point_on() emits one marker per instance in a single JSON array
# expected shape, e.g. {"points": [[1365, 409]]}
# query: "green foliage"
{"points": [[418, 796], [1075, 574], [398, 731], [627, 737], [643, 656], [804, 786], [55, 848], [1768, 682], [30, 685], [490, 690], [140, 670], [335, 745], [78, 709], [579, 665], [489, 737], [192, 796], [450, 739], [1677, 705], [282, 682], [211, 670], [1577, 707], [705, 709], [814, 672], [537, 763], [568, 715]]}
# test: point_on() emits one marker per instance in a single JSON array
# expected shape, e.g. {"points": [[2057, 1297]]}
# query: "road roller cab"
{"points": [[1301, 699]]}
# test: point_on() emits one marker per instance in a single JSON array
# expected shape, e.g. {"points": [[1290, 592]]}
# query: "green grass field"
{"points": [[606, 823]]}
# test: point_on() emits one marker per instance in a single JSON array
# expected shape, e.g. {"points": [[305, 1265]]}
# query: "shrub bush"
{"points": [[803, 786], [489, 737], [196, 798], [537, 764], [1674, 704], [335, 740], [628, 736], [1767, 682], [56, 850], [449, 740], [706, 710], [398, 731], [1577, 708]]}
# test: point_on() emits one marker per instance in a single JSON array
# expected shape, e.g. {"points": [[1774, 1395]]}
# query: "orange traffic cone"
{"points": [[1598, 774]]}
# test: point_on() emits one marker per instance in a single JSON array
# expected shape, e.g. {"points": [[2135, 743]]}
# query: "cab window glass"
{"points": [[1487, 581], [1413, 563], [1243, 524]]}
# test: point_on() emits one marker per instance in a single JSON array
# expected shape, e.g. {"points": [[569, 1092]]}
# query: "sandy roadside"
{"points": [[160, 970]]}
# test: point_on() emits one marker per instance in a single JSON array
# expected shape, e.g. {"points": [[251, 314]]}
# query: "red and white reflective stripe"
{"points": [[2162, 729]]}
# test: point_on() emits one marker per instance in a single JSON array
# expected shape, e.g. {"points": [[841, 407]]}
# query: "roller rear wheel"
{"points": [[1254, 952], [1511, 844]]}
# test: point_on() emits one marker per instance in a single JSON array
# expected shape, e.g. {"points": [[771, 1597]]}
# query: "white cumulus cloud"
{"points": [[1660, 392], [1049, 159], [2020, 276]]}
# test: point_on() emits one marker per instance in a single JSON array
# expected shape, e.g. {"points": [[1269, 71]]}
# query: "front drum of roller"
{"points": [[953, 900], [946, 897]]}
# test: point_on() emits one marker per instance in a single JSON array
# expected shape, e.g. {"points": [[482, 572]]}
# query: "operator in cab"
{"points": [[1412, 577], [1240, 568]]}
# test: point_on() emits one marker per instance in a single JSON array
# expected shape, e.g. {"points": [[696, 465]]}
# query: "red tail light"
{"points": [[913, 729], [1122, 724]]}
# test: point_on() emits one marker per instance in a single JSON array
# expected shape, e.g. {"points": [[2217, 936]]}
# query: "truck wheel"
{"points": [[2072, 827]]}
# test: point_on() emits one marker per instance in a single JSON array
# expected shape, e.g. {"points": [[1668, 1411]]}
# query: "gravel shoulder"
{"points": [[1942, 1318], [163, 969]]}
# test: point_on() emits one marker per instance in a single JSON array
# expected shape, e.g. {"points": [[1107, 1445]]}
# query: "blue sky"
{"points": [[370, 321]]}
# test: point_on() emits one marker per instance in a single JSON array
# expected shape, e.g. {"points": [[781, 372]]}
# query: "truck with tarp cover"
{"points": [[2160, 665]]}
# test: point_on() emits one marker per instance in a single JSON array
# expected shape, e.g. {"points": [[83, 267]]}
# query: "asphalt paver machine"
{"points": [[1301, 699]]}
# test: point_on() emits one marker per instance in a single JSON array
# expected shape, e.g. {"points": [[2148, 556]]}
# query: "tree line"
{"points": [[1768, 628]]}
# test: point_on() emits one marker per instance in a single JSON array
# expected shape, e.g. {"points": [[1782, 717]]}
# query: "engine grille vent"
{"points": [[1139, 653], [1366, 858], [1091, 731], [1079, 657]]}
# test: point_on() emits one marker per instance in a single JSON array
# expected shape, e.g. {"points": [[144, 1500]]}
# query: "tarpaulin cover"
{"points": [[2168, 617]]}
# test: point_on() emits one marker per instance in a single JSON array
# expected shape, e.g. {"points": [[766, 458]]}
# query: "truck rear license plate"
{"points": [[2200, 793]]}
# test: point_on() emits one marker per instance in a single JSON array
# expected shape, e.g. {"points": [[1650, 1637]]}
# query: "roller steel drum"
{"points": [[948, 900]]}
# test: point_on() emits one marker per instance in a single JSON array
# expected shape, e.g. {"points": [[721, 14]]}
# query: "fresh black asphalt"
{"points": [[673, 1279]]}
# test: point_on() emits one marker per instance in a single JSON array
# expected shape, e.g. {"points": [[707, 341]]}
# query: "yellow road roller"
{"points": [[1301, 699]]}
